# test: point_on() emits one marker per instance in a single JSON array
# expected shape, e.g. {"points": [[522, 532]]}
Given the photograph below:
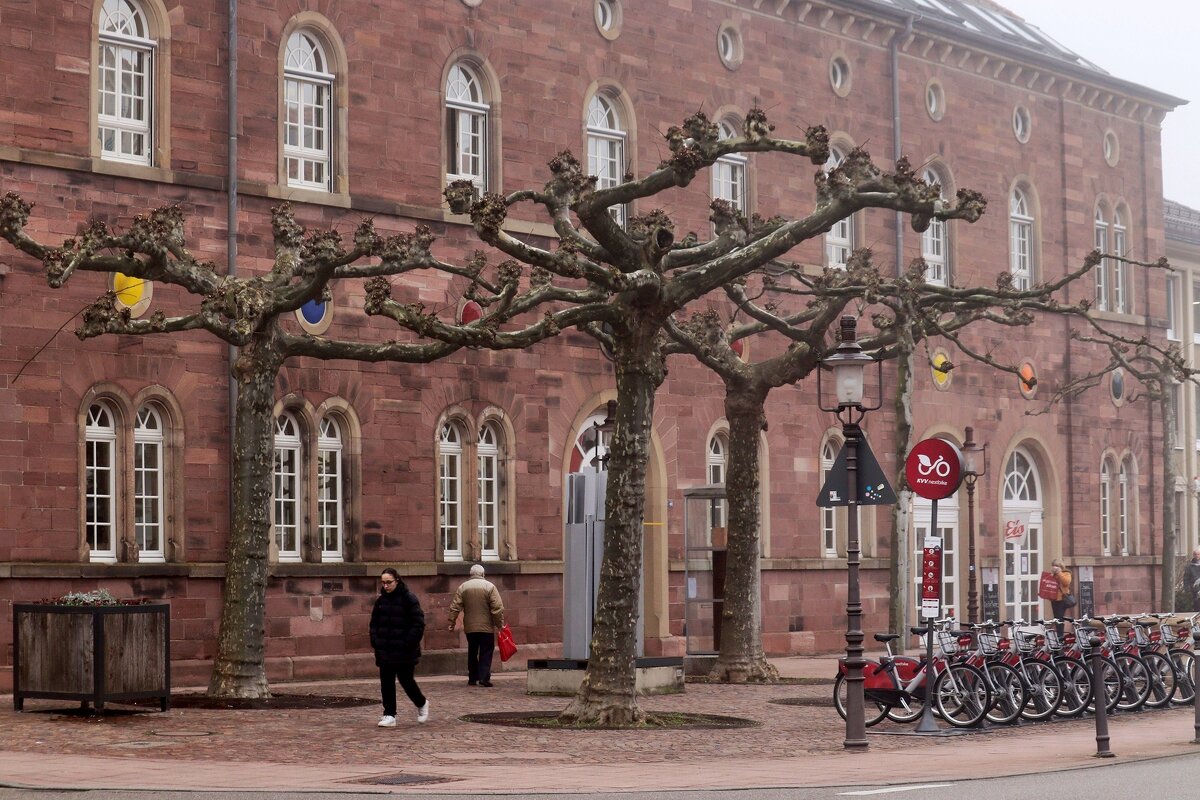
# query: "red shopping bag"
{"points": [[506, 643], [1048, 586]]}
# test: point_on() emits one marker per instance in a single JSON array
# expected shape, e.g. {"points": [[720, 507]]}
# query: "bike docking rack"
{"points": [[970, 678]]}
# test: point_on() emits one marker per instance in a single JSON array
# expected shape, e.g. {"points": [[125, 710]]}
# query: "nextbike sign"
{"points": [[934, 469]]}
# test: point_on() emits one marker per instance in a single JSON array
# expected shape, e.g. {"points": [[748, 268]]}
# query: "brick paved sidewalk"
{"points": [[340, 749]]}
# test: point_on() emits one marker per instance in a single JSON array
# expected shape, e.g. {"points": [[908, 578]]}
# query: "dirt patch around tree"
{"points": [[655, 720], [278, 702]]}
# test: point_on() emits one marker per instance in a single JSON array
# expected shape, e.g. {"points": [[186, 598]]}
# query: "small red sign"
{"points": [[931, 573], [934, 469]]}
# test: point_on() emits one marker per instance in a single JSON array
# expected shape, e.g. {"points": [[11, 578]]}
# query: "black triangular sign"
{"points": [[873, 486]]}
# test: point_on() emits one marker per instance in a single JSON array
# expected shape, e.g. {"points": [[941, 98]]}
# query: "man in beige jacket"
{"points": [[479, 602]]}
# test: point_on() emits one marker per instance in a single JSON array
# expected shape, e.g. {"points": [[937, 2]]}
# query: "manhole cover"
{"points": [[403, 779], [181, 734]]}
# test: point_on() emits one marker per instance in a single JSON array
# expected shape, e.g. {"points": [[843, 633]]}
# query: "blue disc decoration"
{"points": [[313, 311]]}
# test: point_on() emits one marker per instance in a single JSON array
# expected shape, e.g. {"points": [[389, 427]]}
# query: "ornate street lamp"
{"points": [[974, 467], [848, 362]]}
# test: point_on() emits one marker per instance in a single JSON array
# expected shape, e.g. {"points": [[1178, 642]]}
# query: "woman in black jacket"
{"points": [[397, 624]]}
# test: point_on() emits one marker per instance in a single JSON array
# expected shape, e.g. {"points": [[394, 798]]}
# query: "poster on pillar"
{"points": [[873, 486], [991, 593], [931, 578]]}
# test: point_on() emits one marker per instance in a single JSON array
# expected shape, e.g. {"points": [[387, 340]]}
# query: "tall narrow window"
{"points": [[933, 242], [1120, 278], [729, 174], [307, 91], [1123, 507], [828, 514], [287, 503], [100, 477], [488, 490], [329, 490], [1174, 318], [718, 449], [1104, 268], [1105, 509], [1020, 222], [839, 241], [148, 484], [606, 147], [450, 492], [466, 127], [125, 83]]}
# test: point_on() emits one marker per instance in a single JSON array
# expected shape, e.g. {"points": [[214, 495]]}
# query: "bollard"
{"points": [[1196, 677], [1101, 698]]}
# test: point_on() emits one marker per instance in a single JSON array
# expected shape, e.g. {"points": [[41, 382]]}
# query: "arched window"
{"points": [[148, 494], [1106, 508], [466, 127], [125, 83], [729, 174], [307, 99], [330, 490], [934, 245], [450, 522], [829, 528], [716, 467], [488, 485], [1020, 224], [288, 500], [839, 241], [101, 482], [1022, 556], [606, 137]]}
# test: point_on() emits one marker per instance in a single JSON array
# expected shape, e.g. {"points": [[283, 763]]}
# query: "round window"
{"points": [[1112, 148], [1117, 385], [1027, 380], [608, 18], [1022, 123], [839, 75], [729, 46], [942, 370], [935, 100]]}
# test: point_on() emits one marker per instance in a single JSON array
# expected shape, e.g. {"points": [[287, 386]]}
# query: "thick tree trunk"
{"points": [[608, 694], [239, 669], [741, 657], [1169, 561], [898, 577]]}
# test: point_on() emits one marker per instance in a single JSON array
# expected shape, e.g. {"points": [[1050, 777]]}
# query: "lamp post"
{"points": [[848, 363], [974, 467]]}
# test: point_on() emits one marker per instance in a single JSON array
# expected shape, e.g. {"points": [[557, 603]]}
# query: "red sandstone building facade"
{"points": [[114, 470]]}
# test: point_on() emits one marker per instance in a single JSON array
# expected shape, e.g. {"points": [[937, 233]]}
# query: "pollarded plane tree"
{"points": [[648, 277], [247, 312], [905, 312]]}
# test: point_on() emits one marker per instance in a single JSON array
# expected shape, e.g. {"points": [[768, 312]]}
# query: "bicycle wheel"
{"points": [[1076, 686], [1185, 686], [1008, 693], [873, 710], [1044, 685], [961, 695], [1135, 680], [1112, 681], [1162, 679]]}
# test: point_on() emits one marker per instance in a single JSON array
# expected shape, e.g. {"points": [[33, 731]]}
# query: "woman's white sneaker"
{"points": [[422, 713], [387, 721]]}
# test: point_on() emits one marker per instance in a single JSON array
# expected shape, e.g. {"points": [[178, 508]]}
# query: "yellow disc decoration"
{"points": [[940, 379]]}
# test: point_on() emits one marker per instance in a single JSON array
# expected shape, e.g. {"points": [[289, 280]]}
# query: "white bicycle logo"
{"points": [[925, 467]]}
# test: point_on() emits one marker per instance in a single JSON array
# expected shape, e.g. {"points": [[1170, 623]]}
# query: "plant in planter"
{"points": [[91, 647]]}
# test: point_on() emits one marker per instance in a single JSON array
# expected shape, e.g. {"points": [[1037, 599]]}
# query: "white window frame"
{"points": [[729, 174], [1103, 287], [716, 466], [935, 242], [148, 495], [1021, 258], [606, 140], [1196, 321], [1123, 506], [307, 90], [488, 485], [1174, 317], [467, 127], [330, 490], [1105, 509], [1120, 275], [1177, 398], [839, 240], [450, 507], [287, 494], [100, 483], [829, 526], [1022, 561], [125, 105]]}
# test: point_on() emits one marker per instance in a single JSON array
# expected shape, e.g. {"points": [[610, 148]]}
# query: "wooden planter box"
{"points": [[94, 654]]}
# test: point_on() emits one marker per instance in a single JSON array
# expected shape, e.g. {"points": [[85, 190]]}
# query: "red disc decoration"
{"points": [[471, 311], [934, 468]]}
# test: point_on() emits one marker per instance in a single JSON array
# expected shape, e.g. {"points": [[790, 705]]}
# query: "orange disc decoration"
{"points": [[1028, 379]]}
